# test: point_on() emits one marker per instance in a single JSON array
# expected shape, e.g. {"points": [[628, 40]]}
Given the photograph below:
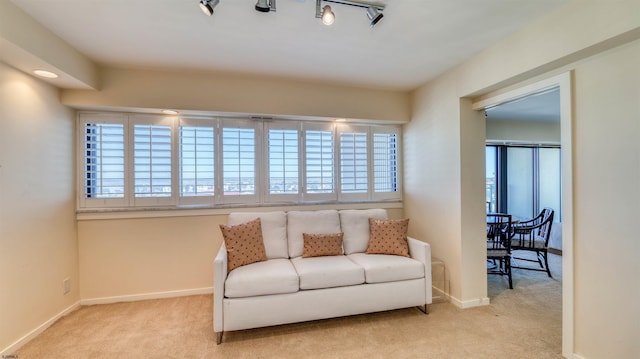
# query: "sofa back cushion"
{"points": [[274, 230], [318, 222], [355, 226]]}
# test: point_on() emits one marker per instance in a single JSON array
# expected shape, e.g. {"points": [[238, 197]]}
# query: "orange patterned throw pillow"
{"points": [[316, 245], [244, 244], [388, 237]]}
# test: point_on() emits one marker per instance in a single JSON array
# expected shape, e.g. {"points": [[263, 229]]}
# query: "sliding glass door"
{"points": [[521, 180]]}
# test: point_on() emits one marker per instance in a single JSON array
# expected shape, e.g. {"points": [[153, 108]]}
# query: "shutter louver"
{"points": [[385, 162], [283, 161], [197, 161], [239, 156], [319, 161], [104, 160], [152, 161], [353, 162]]}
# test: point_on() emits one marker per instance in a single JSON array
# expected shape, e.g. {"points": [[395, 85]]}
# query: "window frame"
{"points": [[261, 195]]}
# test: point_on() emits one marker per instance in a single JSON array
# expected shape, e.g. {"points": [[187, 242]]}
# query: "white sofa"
{"points": [[288, 288]]}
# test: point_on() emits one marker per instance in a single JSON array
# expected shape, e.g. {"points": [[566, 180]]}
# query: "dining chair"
{"points": [[499, 234], [533, 235]]}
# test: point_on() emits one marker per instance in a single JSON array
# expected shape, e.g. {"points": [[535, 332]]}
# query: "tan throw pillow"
{"points": [[244, 244], [388, 237], [316, 245]]}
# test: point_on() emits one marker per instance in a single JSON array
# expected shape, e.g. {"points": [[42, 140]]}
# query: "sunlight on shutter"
{"points": [[104, 160]]}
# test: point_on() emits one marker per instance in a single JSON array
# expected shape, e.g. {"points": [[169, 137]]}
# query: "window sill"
{"points": [[187, 211]]}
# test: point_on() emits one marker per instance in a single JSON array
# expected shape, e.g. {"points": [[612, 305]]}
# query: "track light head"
{"points": [[266, 5], [374, 15], [207, 6], [328, 17]]}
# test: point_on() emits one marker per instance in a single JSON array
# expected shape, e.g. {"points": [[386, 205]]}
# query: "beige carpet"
{"points": [[521, 323]]}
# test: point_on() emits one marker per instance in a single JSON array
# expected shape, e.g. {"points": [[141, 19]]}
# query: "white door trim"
{"points": [[564, 82]]}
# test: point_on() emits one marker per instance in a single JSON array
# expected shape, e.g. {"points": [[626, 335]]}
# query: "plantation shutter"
{"points": [[319, 162], [102, 162], [197, 162]]}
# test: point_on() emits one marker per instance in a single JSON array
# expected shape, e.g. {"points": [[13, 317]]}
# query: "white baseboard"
{"points": [[34, 333], [469, 303], [146, 296], [440, 295]]}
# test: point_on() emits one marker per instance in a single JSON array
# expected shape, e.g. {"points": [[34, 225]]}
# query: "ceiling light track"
{"points": [[373, 10]]}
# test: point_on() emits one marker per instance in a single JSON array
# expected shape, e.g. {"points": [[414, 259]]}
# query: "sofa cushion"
{"points": [[325, 221], [274, 230], [379, 268], [388, 237], [327, 272], [355, 226], [316, 245], [244, 243], [275, 276]]}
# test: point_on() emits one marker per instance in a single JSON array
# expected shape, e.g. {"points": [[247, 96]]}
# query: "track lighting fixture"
{"points": [[207, 6], [266, 5], [328, 17], [326, 14], [374, 16]]}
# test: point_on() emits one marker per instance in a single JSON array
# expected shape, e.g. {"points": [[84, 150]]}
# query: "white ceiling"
{"points": [[542, 106], [416, 41]]}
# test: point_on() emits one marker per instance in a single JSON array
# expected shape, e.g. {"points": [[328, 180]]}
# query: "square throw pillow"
{"points": [[388, 236], [316, 245], [244, 243]]}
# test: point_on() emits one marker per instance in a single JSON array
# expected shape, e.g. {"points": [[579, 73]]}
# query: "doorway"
{"points": [[563, 84]]}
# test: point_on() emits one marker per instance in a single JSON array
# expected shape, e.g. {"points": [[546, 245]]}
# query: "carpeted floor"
{"points": [[521, 323]]}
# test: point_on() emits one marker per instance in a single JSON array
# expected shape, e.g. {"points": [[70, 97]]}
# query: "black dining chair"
{"points": [[533, 235], [499, 234]]}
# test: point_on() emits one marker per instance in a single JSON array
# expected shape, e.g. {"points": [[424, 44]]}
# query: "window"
{"points": [[197, 161], [283, 148], [139, 161], [319, 166], [354, 164], [102, 144], [522, 180], [239, 145], [386, 163], [152, 160]]}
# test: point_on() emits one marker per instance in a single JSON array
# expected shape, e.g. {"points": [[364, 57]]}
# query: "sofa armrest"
{"points": [[421, 251], [219, 277]]}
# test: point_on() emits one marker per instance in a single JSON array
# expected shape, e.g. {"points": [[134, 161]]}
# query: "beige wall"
{"points": [[439, 141], [124, 258], [523, 131], [128, 257], [233, 93], [38, 241], [607, 204], [27, 45]]}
